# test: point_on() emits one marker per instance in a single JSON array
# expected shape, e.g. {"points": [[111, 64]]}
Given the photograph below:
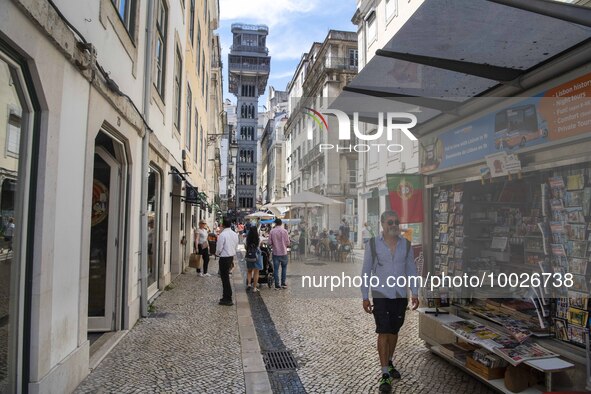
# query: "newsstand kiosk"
{"points": [[508, 201]]}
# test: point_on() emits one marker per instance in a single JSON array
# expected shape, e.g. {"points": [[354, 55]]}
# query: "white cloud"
{"points": [[282, 75], [269, 12]]}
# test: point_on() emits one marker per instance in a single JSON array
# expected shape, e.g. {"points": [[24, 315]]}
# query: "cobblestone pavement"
{"points": [[196, 349], [335, 344]]}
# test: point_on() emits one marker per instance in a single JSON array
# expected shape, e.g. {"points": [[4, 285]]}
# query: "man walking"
{"points": [[226, 249], [279, 241], [388, 255], [202, 246]]}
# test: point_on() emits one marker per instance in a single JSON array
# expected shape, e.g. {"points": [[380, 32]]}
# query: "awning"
{"points": [[450, 52]]}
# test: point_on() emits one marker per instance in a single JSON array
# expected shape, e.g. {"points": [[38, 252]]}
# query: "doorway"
{"points": [[105, 259]]}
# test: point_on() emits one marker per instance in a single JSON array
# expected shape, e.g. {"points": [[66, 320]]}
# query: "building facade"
{"points": [[319, 78], [272, 174], [102, 120], [248, 69], [377, 23]]}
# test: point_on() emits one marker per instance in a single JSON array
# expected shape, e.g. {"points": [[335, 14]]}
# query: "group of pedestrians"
{"points": [[386, 255], [226, 250]]}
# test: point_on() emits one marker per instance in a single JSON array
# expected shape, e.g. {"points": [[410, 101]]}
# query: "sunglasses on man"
{"points": [[392, 222]]}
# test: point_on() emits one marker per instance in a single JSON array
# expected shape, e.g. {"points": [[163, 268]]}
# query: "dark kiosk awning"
{"points": [[450, 52]]}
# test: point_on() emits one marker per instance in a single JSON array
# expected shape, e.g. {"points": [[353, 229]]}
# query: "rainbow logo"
{"points": [[317, 117]]}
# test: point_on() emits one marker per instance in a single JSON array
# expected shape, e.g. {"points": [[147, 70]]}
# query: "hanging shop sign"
{"points": [[559, 113]]}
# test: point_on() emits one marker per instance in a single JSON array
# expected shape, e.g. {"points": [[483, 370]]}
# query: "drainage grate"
{"points": [[159, 315], [279, 360], [314, 263]]}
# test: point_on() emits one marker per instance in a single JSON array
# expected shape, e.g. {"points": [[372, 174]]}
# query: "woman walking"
{"points": [[252, 244]]}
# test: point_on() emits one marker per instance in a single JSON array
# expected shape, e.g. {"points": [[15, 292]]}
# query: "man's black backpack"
{"points": [[251, 253], [374, 254]]}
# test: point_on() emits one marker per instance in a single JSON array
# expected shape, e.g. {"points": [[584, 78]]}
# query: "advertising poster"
{"points": [[559, 113]]}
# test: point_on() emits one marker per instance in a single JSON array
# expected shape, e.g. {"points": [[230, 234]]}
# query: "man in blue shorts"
{"points": [[388, 257]]}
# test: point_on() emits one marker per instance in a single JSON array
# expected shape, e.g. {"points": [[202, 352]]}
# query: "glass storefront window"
{"points": [[15, 121], [153, 225]]}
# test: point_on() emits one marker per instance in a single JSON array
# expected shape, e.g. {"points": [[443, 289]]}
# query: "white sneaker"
{"points": [[254, 290], [201, 274], [208, 274]]}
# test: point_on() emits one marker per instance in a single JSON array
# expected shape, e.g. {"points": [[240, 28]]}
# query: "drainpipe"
{"points": [[145, 163]]}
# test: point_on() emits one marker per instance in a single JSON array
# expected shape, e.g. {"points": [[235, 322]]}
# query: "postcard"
{"points": [[578, 300], [576, 334], [560, 329], [556, 182], [450, 251], [580, 283], [574, 198], [576, 232], [558, 250], [586, 201], [577, 316], [443, 207], [578, 248], [577, 266], [575, 182], [575, 215]]}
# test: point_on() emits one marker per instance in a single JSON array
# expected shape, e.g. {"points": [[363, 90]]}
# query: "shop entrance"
{"points": [[105, 234]]}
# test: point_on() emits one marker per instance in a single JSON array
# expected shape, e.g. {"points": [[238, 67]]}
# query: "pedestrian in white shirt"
{"points": [[226, 249]]}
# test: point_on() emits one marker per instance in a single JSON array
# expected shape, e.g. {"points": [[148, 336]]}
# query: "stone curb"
{"points": [[256, 379]]}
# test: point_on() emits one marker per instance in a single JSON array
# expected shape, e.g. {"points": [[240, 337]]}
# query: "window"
{"points": [[161, 18], [202, 74], [353, 57], [247, 90], [189, 111], [126, 10], [391, 9], [196, 137], [250, 40], [371, 28], [192, 22], [13, 134], [178, 75], [202, 153]]}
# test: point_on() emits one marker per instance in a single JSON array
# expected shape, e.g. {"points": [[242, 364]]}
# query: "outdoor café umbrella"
{"points": [[306, 199], [260, 215]]}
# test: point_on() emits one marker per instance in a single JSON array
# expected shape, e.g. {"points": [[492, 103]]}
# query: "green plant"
{"points": [[169, 287], [152, 308]]}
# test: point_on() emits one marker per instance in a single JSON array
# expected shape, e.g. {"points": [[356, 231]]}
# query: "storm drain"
{"points": [[159, 315], [279, 360]]}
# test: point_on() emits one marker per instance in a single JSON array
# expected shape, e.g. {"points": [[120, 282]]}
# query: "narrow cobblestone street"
{"points": [[194, 344]]}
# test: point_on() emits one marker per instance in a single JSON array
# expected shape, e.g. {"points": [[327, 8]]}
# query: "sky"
{"points": [[294, 25]]}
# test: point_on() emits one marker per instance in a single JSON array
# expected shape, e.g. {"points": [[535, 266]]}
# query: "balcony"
{"points": [[245, 67], [311, 156], [249, 48], [339, 63]]}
